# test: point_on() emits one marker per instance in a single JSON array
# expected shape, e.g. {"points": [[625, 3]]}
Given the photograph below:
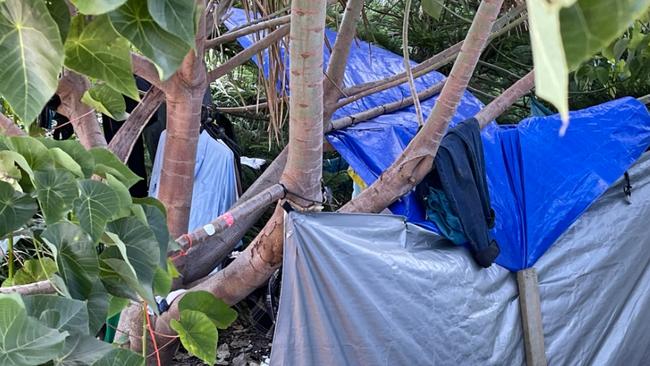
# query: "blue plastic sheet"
{"points": [[539, 182]]}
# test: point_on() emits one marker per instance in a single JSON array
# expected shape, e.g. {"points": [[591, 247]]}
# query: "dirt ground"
{"points": [[239, 345]]}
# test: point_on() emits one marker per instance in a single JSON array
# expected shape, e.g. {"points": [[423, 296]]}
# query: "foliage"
{"points": [[39, 38], [78, 216]]}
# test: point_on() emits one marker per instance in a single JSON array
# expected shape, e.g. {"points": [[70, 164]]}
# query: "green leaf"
{"points": [[115, 273], [176, 17], [23, 339], [433, 8], [56, 190], [75, 255], [82, 350], [137, 211], [215, 309], [98, 51], [198, 335], [106, 100], [15, 208], [96, 7], [9, 173], [120, 357], [124, 197], [116, 305], [34, 270], [34, 152], [134, 22], [96, 204], [65, 161], [591, 25], [107, 163], [551, 68], [158, 224], [73, 148], [31, 55], [58, 312], [162, 282], [11, 157], [97, 305], [151, 202], [141, 250], [61, 14]]}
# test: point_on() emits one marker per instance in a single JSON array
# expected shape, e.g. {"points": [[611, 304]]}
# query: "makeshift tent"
{"points": [[532, 209], [375, 290], [361, 289], [215, 185]]}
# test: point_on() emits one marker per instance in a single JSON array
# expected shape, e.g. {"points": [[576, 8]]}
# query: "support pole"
{"points": [[531, 317]]}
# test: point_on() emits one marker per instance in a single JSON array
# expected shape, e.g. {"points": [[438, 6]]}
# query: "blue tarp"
{"points": [[539, 182]]}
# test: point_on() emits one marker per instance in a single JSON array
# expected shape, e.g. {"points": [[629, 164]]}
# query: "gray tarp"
{"points": [[374, 290]]}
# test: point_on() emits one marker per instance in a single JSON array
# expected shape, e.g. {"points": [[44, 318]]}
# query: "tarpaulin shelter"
{"points": [[540, 184]]}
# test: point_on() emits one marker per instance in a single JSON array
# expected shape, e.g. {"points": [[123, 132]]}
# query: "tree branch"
{"points": [[40, 287], [506, 99], [125, 138], [9, 128], [339, 57], [234, 34], [245, 55], [72, 87], [146, 70]]}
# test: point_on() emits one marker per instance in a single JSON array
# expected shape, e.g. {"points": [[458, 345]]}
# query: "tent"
{"points": [[374, 289]]}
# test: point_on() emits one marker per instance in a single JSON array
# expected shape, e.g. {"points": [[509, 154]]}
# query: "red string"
{"points": [[182, 251], [153, 337]]}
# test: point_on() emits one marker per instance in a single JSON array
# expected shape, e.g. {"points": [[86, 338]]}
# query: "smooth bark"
{"points": [[506, 99], [184, 93], [126, 137], [9, 128], [233, 35], [72, 87]]}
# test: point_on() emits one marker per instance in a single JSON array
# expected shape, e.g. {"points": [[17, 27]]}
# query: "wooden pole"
{"points": [[531, 317]]}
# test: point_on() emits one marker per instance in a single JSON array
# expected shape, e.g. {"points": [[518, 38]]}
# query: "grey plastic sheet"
{"points": [[374, 290]]}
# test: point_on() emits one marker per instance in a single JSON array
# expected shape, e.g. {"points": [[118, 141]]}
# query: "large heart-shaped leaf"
{"points": [[123, 195], [78, 153], [158, 224], [96, 204], [34, 270], [96, 7], [75, 256], [82, 350], [107, 163], [591, 25], [15, 208], [120, 357], [218, 311], [115, 273], [31, 55], [63, 160], [176, 17], [551, 69], [33, 150], [134, 22], [61, 14], [97, 305], [98, 51], [58, 312], [140, 246], [56, 190], [198, 335], [23, 339], [106, 100]]}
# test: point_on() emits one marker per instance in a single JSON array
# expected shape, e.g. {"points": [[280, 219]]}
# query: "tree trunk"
{"points": [[184, 93], [72, 87], [302, 175]]}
